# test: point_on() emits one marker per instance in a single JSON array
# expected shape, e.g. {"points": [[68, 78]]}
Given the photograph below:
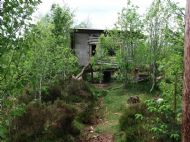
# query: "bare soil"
{"points": [[103, 138]]}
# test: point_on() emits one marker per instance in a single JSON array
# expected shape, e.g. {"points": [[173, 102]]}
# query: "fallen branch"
{"points": [[79, 76]]}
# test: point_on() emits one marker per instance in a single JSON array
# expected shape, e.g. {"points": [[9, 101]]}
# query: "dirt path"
{"points": [[90, 135], [103, 138]]}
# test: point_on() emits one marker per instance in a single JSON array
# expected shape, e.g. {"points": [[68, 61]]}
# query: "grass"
{"points": [[115, 103]]}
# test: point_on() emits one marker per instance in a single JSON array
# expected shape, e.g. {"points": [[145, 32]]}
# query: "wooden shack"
{"points": [[84, 43]]}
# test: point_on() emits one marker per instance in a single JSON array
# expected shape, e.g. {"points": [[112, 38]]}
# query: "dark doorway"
{"points": [[111, 52], [106, 76], [93, 52]]}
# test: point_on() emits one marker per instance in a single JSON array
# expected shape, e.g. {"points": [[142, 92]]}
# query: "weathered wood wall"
{"points": [[81, 47], [82, 43]]}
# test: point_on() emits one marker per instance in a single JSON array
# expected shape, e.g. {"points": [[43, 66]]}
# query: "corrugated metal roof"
{"points": [[88, 30]]}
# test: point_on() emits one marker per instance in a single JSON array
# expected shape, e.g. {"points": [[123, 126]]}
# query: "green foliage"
{"points": [[62, 19], [161, 38], [168, 57], [44, 122], [105, 53], [160, 52], [32, 56], [16, 17], [95, 109], [127, 43], [59, 116], [133, 123], [163, 123]]}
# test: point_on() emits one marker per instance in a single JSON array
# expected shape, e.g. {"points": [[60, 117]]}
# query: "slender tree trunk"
{"points": [[125, 62], [175, 95], [40, 89], [186, 95], [153, 76]]}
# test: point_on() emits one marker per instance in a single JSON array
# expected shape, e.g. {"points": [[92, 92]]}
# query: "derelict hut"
{"points": [[84, 43]]}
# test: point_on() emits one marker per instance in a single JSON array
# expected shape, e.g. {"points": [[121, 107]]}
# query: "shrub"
{"points": [[164, 125], [75, 86], [132, 123], [93, 112], [53, 119], [52, 93], [30, 124], [60, 118], [41, 122]]}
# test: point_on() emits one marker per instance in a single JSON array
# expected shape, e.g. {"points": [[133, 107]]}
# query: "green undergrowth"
{"points": [[115, 103], [66, 108]]}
